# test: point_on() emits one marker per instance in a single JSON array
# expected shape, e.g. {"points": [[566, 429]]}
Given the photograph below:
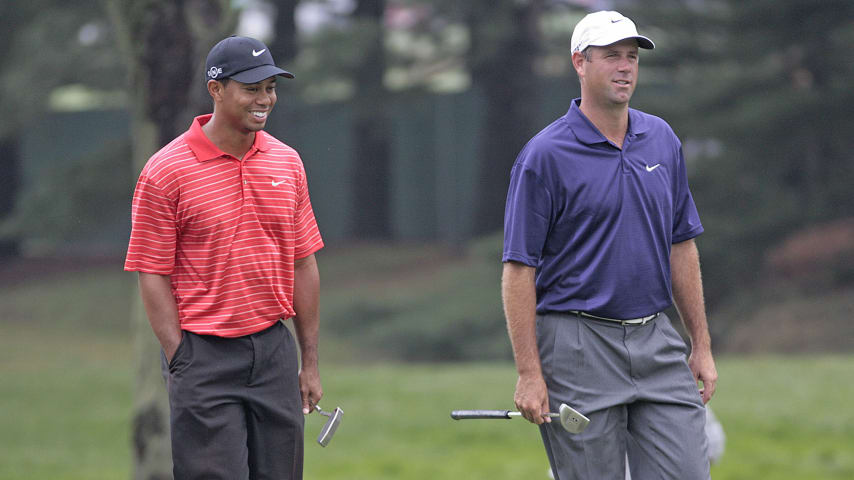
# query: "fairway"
{"points": [[65, 399], [66, 408]]}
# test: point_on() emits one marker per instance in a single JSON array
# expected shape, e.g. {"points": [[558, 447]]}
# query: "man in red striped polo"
{"points": [[223, 237]]}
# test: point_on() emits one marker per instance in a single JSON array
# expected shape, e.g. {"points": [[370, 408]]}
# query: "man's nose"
{"points": [[266, 98]]}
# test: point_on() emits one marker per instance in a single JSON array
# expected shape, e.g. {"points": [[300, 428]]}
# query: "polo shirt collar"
{"points": [[587, 133], [205, 150]]}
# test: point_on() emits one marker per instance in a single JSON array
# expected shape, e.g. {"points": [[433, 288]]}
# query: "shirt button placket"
{"points": [[247, 192], [624, 161], [243, 181]]}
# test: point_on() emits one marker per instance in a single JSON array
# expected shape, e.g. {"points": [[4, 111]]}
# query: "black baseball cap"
{"points": [[243, 59]]}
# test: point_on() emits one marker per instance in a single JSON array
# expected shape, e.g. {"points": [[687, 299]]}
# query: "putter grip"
{"points": [[467, 414]]}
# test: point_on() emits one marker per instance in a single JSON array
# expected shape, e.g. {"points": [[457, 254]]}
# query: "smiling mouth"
{"points": [[259, 114], [624, 83]]}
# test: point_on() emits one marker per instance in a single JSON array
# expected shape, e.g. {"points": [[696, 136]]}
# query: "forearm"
{"points": [[306, 301], [688, 297], [161, 309], [519, 297], [688, 293]]}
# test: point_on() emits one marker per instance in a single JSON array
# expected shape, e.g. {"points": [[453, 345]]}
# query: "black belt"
{"points": [[628, 321]]}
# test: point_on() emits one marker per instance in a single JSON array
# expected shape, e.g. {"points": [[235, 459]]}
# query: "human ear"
{"points": [[577, 62], [215, 90]]}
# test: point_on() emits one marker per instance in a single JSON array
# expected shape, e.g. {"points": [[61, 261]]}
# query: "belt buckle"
{"points": [[643, 321]]}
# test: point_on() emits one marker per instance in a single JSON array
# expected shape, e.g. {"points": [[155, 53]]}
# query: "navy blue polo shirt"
{"points": [[598, 221]]}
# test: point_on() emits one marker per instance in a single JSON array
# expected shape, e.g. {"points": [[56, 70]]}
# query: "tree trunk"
{"points": [[503, 69], [10, 181], [285, 46], [165, 43], [371, 185]]}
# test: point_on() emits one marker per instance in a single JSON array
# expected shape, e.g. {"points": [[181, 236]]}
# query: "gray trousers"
{"points": [[235, 407], [634, 384]]}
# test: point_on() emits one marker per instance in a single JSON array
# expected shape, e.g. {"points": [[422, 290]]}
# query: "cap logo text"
{"points": [[214, 72]]}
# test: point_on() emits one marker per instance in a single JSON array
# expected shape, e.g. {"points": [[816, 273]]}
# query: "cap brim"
{"points": [[263, 72], [644, 42]]}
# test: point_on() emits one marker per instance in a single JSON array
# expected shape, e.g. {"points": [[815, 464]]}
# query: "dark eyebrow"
{"points": [[633, 51], [260, 84]]}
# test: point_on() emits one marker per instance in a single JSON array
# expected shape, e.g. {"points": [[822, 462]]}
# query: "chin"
{"points": [[256, 127], [621, 99]]}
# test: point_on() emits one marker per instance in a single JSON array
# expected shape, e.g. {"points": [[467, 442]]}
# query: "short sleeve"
{"points": [[527, 215], [153, 230], [307, 239], [686, 220]]}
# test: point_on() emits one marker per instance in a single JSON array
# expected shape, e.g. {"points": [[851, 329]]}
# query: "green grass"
{"points": [[65, 403], [64, 406], [65, 389], [784, 417], [414, 303], [396, 425]]}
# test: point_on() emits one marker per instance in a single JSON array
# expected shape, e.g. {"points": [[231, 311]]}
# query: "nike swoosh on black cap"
{"points": [[244, 59]]}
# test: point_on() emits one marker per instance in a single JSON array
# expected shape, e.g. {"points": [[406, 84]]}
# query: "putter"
{"points": [[570, 419], [331, 425]]}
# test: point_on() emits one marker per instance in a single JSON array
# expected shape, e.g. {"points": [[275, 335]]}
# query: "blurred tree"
{"points": [[165, 43], [343, 57], [762, 98], [494, 43], [370, 129], [505, 43], [39, 52], [9, 13], [285, 44]]}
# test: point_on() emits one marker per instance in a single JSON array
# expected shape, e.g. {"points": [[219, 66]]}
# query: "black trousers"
{"points": [[235, 407]]}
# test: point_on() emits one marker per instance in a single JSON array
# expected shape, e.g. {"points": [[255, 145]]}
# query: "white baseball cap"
{"points": [[603, 28]]}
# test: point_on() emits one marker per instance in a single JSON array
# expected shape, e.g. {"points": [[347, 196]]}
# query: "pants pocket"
{"points": [[671, 337], [177, 358], [545, 344]]}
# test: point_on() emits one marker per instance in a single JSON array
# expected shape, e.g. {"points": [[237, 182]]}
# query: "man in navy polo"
{"points": [[598, 240]]}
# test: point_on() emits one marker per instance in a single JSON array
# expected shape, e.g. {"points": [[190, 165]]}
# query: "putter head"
{"points": [[329, 428], [571, 420]]}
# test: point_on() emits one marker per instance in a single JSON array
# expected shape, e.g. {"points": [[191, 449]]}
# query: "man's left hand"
{"points": [[703, 367], [310, 389]]}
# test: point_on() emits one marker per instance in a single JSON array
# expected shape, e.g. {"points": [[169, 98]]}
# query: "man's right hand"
{"points": [[172, 348], [162, 311], [532, 398]]}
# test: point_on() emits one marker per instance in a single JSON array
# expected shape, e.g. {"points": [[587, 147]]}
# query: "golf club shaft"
{"points": [[472, 414], [519, 414]]}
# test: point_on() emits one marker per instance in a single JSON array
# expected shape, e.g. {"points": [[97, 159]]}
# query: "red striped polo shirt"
{"points": [[226, 231]]}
